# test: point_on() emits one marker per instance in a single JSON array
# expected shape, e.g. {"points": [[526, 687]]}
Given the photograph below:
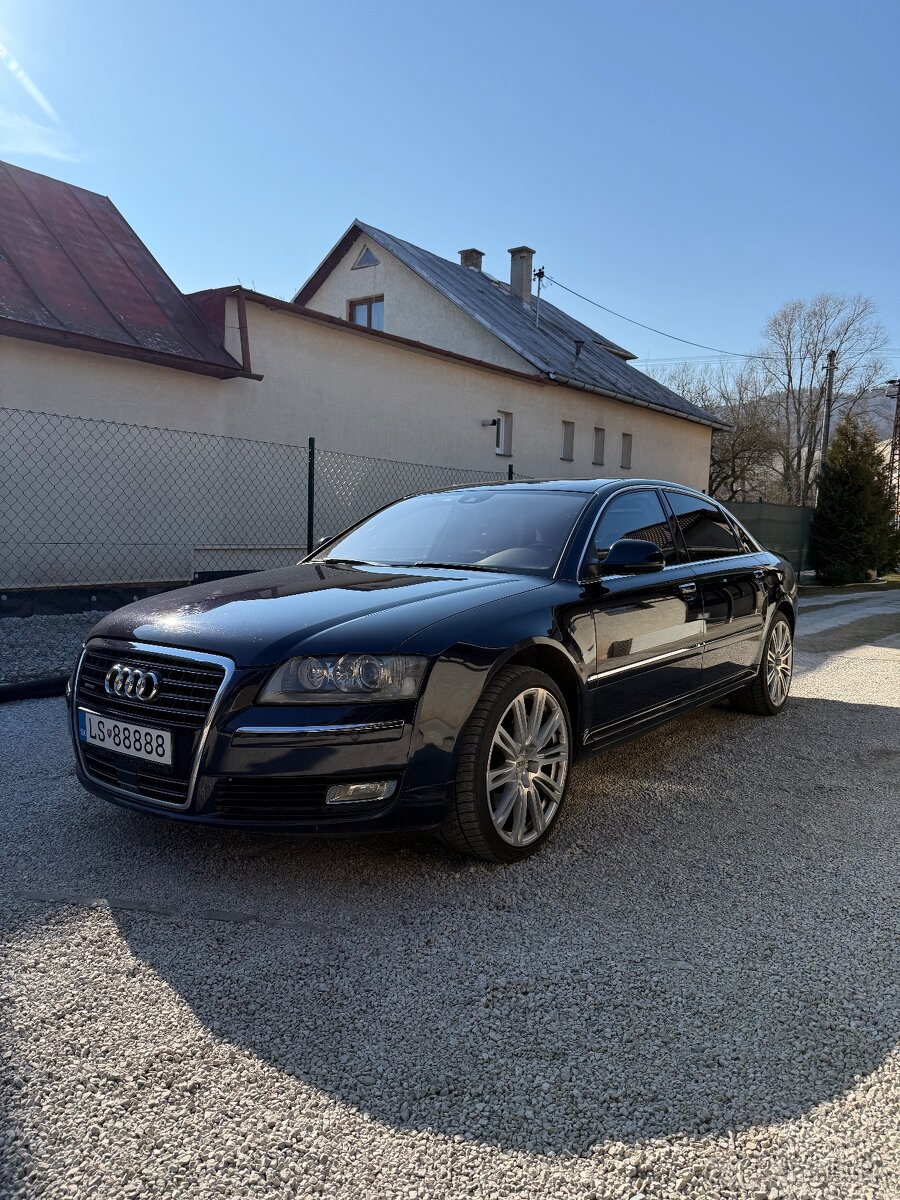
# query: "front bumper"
{"points": [[268, 768]]}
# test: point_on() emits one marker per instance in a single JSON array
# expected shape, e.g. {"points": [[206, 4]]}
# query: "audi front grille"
{"points": [[187, 688]]}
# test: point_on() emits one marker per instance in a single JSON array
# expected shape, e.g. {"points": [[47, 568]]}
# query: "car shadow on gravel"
{"points": [[705, 945], [706, 953]]}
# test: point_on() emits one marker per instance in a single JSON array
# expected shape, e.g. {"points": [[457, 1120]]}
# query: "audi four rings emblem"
{"points": [[131, 682]]}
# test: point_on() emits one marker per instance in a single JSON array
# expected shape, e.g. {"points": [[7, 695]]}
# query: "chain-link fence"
{"points": [[91, 502], [348, 486]]}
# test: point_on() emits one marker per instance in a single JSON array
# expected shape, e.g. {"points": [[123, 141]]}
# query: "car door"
{"points": [[732, 582], [648, 627]]}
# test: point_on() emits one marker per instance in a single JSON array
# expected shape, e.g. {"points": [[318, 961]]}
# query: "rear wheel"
{"points": [[514, 762], [766, 694]]}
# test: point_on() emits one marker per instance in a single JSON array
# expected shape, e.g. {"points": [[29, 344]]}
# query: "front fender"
{"points": [[452, 690]]}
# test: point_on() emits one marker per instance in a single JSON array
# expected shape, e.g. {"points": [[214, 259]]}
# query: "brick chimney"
{"points": [[471, 258], [521, 269]]}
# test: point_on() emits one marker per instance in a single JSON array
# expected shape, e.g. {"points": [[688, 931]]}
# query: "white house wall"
{"points": [[355, 394], [361, 395]]}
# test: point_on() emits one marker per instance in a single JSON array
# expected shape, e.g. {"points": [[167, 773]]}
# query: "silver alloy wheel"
{"points": [[779, 663], [527, 766]]}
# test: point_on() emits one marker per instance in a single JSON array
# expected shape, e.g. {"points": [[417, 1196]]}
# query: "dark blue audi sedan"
{"points": [[439, 666]]}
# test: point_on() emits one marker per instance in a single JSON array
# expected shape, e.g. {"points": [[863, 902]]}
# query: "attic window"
{"points": [[366, 259], [368, 312]]}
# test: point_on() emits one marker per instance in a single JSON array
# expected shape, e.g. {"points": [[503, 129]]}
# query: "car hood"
{"points": [[315, 608]]}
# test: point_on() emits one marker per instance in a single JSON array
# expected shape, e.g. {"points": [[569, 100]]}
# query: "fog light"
{"points": [[359, 793]]}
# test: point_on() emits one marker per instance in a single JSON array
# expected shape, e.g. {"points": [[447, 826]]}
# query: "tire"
{"points": [[533, 786], [767, 692]]}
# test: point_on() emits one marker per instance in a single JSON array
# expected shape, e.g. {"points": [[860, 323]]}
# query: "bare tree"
{"points": [[773, 403], [797, 339], [743, 453]]}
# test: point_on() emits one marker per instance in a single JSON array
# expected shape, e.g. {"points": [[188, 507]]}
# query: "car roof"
{"points": [[588, 486]]}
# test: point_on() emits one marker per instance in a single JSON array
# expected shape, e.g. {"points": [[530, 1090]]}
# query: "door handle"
{"points": [[688, 589]]}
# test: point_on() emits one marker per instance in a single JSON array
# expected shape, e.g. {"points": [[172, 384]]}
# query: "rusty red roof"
{"points": [[74, 273]]}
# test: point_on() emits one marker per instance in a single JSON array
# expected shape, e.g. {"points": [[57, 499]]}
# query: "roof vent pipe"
{"points": [[521, 270], [471, 258]]}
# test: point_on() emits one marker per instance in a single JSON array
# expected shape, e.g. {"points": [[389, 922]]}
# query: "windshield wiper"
{"points": [[349, 562], [450, 566]]}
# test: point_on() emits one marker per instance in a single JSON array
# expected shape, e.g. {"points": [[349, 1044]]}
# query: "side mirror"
{"points": [[630, 556]]}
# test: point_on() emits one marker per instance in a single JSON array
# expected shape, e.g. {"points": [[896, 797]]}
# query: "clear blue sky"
{"points": [[690, 163]]}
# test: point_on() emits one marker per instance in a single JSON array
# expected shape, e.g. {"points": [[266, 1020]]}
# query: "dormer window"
{"points": [[369, 312]]}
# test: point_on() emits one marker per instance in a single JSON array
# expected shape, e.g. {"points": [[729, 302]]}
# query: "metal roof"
{"points": [[551, 344], [74, 273]]}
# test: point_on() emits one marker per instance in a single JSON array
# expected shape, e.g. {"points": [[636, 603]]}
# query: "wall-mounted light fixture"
{"points": [[491, 421]]}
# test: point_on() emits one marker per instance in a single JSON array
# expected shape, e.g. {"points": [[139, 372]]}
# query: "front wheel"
{"points": [[514, 761], [766, 694]]}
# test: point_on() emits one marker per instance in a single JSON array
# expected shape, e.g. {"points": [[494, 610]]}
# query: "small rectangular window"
{"points": [[504, 433], [626, 451], [567, 445], [599, 445], [369, 312]]}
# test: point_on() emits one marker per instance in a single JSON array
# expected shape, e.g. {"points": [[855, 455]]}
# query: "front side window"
{"points": [[705, 528], [633, 515], [368, 313], [500, 529]]}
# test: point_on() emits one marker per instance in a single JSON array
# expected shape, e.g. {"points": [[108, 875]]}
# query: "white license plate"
{"points": [[123, 737]]}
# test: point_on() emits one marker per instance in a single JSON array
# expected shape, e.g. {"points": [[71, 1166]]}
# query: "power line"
{"points": [[889, 352], [691, 358], [662, 333]]}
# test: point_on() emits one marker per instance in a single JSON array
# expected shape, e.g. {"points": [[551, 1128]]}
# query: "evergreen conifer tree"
{"points": [[854, 529]]}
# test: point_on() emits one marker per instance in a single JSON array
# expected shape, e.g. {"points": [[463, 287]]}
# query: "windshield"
{"points": [[502, 529]]}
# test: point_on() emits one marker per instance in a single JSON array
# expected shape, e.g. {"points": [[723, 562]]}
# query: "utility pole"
{"points": [[829, 394], [894, 464]]}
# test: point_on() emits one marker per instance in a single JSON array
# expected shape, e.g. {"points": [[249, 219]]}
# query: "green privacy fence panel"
{"points": [[783, 528]]}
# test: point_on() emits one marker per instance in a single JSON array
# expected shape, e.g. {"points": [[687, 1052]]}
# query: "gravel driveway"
{"points": [[42, 645], [693, 991]]}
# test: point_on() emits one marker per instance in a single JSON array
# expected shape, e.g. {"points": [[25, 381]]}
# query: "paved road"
{"points": [[694, 991]]}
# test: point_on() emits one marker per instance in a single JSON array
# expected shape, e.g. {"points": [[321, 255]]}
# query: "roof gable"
{"points": [[73, 272], [556, 344]]}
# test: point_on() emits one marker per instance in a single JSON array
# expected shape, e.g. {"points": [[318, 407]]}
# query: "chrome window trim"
{"points": [[690, 563], [198, 656], [316, 730]]}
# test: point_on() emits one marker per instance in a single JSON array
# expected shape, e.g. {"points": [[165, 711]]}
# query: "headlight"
{"points": [[333, 679]]}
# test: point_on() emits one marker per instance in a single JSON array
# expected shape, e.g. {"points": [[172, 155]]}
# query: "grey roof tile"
{"points": [[548, 345]]}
